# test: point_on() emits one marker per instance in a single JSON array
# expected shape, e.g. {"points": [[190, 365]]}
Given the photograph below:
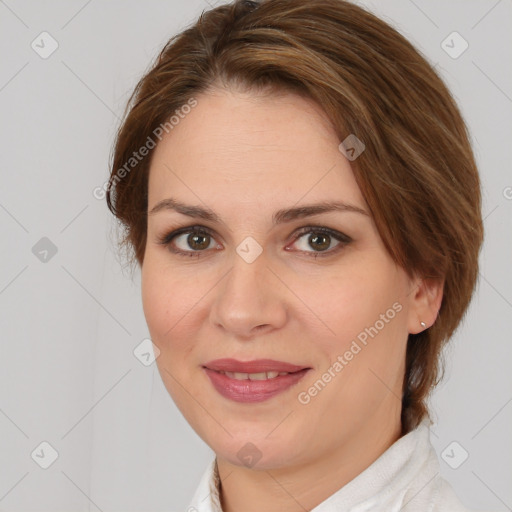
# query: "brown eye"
{"points": [[198, 242], [191, 241], [320, 240]]}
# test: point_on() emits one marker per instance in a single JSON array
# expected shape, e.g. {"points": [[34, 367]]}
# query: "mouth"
{"points": [[253, 381], [254, 376], [252, 367]]}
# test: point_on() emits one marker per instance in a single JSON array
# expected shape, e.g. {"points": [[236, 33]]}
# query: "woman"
{"points": [[298, 187]]}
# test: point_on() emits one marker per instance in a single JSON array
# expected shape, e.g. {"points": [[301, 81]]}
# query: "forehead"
{"points": [[245, 148]]}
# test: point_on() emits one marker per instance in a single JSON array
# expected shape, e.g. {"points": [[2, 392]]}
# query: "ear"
{"points": [[426, 298]]}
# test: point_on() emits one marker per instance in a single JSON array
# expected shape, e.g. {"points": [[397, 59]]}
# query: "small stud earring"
{"points": [[423, 324]]}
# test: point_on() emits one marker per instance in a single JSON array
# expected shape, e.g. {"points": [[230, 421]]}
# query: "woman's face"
{"points": [[265, 275]]}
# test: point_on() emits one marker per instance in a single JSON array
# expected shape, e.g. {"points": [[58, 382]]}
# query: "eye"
{"points": [[190, 241], [321, 240]]}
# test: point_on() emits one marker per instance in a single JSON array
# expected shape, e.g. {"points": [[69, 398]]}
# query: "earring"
{"points": [[423, 324]]}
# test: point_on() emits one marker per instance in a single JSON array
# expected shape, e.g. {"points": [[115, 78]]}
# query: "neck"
{"points": [[302, 487]]}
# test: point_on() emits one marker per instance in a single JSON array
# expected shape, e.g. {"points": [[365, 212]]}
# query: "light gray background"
{"points": [[69, 325]]}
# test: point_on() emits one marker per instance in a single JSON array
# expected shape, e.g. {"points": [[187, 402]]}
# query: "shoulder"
{"points": [[425, 488], [446, 500]]}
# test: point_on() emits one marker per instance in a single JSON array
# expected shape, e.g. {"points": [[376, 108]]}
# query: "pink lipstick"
{"points": [[252, 381]]}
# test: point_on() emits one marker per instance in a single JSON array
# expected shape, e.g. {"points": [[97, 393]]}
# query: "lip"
{"points": [[251, 391], [255, 366]]}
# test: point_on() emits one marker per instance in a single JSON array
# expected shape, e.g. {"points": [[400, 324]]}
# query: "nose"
{"points": [[250, 300]]}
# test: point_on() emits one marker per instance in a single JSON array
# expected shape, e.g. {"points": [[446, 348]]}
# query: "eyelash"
{"points": [[344, 240]]}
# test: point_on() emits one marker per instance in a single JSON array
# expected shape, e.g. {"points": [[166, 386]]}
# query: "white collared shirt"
{"points": [[405, 478]]}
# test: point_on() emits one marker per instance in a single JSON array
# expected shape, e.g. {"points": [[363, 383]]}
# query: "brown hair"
{"points": [[417, 174]]}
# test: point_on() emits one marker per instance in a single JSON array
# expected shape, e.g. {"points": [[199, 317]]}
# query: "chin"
{"points": [[259, 454]]}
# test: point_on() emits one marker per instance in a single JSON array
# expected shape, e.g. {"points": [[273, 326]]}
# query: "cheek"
{"points": [[353, 303], [168, 296], [363, 363], [372, 334], [175, 307], [165, 304], [169, 313], [154, 302]]}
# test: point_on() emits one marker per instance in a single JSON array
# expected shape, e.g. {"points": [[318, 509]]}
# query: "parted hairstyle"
{"points": [[417, 172]]}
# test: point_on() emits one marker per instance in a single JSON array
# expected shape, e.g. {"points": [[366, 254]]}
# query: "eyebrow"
{"points": [[280, 216]]}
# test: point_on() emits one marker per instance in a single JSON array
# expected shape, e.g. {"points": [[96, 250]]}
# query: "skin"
{"points": [[246, 155]]}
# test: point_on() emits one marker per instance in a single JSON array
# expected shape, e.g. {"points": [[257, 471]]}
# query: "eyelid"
{"points": [[168, 236], [342, 237]]}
